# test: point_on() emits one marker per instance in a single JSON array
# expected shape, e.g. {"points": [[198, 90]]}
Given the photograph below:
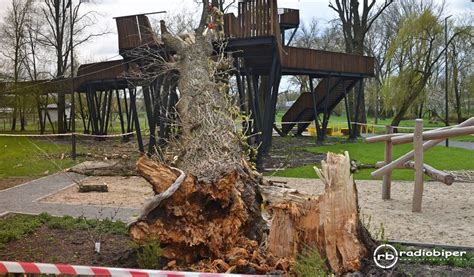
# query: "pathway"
{"points": [[25, 199]]}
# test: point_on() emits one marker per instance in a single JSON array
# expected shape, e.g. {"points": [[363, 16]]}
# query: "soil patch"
{"points": [[70, 247], [126, 192], [286, 152], [10, 182]]}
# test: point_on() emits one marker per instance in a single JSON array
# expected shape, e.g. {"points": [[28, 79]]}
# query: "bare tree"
{"points": [[13, 39], [56, 34], [356, 22]]}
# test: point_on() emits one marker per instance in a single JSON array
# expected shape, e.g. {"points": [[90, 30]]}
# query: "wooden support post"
{"points": [[257, 107], [418, 148], [133, 108], [103, 111], [315, 109], [81, 111], [127, 111], [109, 111], [241, 90], [355, 128], [93, 109], [387, 178], [165, 110], [270, 102], [346, 104], [119, 106], [151, 121], [326, 110], [157, 106]]}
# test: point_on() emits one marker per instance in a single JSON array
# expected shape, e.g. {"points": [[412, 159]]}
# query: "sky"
{"points": [[106, 47]]}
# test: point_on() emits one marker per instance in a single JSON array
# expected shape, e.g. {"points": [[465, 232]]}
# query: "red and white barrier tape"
{"points": [[397, 127], [62, 269], [67, 135]]}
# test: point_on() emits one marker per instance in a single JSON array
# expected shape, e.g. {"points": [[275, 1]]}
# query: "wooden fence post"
{"points": [[418, 149], [387, 178]]}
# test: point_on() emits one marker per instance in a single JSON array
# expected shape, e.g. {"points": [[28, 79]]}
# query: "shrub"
{"points": [[309, 263], [149, 255]]}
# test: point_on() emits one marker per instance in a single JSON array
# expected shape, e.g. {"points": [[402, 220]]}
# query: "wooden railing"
{"points": [[255, 18], [312, 59], [289, 17], [432, 138]]}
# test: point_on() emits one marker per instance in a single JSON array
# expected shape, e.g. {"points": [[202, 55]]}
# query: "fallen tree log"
{"points": [[437, 175], [93, 188], [329, 222]]}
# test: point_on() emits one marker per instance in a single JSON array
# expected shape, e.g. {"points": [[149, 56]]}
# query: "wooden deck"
{"points": [[318, 62]]}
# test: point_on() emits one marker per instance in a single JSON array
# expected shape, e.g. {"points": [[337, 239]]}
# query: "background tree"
{"points": [[13, 39], [56, 35], [416, 49], [356, 22]]}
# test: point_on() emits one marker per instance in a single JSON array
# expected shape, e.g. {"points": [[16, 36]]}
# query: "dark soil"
{"points": [[288, 152], [76, 247], [409, 269], [6, 183]]}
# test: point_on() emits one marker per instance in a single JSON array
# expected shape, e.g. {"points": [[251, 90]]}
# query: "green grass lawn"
{"points": [[21, 156], [439, 157], [16, 227], [338, 122]]}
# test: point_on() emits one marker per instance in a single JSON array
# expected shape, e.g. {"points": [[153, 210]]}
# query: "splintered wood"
{"points": [[219, 222], [216, 227], [329, 222]]}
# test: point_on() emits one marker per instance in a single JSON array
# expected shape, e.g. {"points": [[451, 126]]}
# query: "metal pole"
{"points": [[446, 110], [73, 102]]}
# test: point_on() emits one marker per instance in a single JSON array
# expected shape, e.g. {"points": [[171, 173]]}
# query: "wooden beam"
{"points": [[435, 134], [435, 174], [387, 178], [386, 137], [408, 156], [418, 148]]}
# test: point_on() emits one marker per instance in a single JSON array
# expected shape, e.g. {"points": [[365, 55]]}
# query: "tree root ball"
{"points": [[218, 221]]}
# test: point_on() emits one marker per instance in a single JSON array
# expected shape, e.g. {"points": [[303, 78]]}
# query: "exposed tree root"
{"points": [[213, 226], [218, 226]]}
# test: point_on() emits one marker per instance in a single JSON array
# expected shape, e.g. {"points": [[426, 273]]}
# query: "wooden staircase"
{"points": [[303, 109]]}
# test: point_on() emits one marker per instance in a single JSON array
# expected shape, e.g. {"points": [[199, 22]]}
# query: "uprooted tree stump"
{"points": [[329, 223], [215, 221], [215, 226]]}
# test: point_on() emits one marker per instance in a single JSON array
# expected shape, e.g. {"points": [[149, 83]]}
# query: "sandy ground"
{"points": [[447, 215], [127, 192]]}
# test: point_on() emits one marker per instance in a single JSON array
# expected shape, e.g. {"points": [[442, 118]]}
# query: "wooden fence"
{"points": [[422, 141]]}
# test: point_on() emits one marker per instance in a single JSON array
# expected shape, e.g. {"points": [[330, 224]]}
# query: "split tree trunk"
{"points": [[329, 222]]}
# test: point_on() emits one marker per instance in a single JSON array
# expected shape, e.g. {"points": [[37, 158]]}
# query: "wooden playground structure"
{"points": [[257, 40], [422, 141]]}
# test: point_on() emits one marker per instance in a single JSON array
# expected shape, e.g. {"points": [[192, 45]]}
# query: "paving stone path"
{"points": [[25, 199]]}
